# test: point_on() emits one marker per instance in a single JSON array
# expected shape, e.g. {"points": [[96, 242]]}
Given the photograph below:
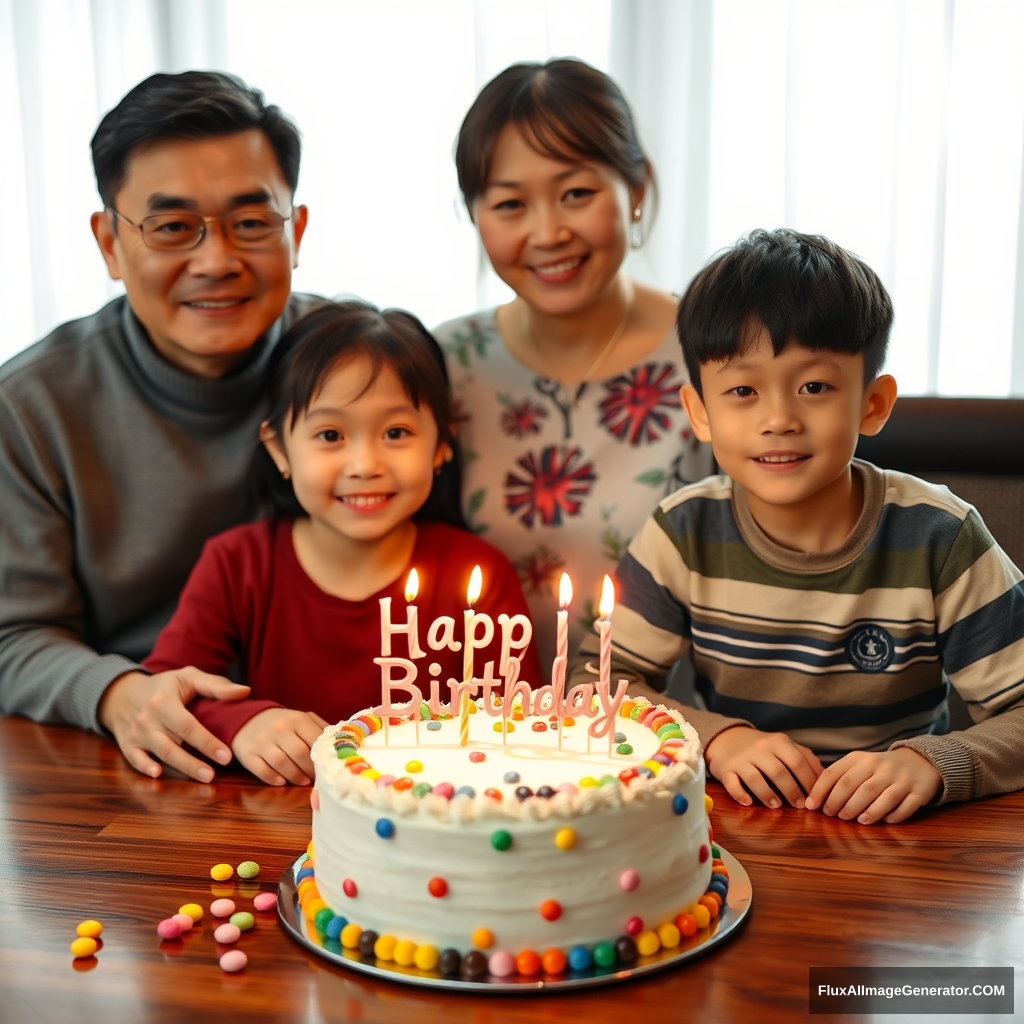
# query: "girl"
{"points": [[357, 471], [572, 388]]}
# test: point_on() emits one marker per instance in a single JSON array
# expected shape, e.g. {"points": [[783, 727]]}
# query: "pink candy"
{"points": [[233, 960], [501, 964], [227, 933], [386, 780], [314, 799], [222, 908], [169, 928], [444, 789], [629, 879], [185, 920], [265, 901], [476, 756]]}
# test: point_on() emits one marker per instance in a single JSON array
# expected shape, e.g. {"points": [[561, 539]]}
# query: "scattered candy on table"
{"points": [[243, 920], [193, 910], [221, 872], [227, 933], [169, 928], [89, 930], [233, 960], [265, 901], [186, 921], [84, 946], [222, 908], [248, 869]]}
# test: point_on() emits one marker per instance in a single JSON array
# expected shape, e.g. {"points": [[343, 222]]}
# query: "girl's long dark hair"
{"points": [[304, 358]]}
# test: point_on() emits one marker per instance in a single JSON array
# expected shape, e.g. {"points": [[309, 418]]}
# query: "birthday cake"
{"points": [[522, 849]]}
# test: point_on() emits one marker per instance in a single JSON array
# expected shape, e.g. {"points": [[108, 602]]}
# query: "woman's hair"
{"points": [[307, 354], [565, 109]]}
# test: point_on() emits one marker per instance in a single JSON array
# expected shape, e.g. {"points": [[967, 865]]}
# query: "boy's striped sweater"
{"points": [[843, 650]]}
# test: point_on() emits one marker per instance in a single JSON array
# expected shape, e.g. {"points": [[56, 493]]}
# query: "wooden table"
{"points": [[84, 836]]}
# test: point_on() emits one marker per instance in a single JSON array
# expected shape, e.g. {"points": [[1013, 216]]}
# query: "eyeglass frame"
{"points": [[202, 233]]}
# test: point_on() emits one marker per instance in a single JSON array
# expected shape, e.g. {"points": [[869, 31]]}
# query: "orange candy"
{"points": [[687, 925], [553, 961], [715, 897], [403, 783], [528, 962], [625, 707], [708, 900], [483, 938], [701, 915]]}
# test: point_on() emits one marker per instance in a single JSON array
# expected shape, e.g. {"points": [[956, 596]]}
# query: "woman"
{"points": [[573, 428]]}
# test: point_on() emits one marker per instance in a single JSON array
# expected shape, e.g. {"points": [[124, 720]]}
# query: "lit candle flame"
{"points": [[412, 585], [476, 584], [607, 602], [564, 591]]}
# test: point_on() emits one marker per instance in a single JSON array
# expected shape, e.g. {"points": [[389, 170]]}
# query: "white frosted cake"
{"points": [[515, 851]]}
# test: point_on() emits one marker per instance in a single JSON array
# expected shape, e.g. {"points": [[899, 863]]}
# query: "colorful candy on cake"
{"points": [[516, 833]]}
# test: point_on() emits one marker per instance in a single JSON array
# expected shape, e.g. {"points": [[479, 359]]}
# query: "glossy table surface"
{"points": [[84, 836]]}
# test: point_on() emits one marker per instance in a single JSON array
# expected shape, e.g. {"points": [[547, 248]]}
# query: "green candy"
{"points": [[421, 789], [501, 840], [344, 753], [323, 919], [668, 727], [624, 748], [424, 711], [243, 920], [604, 954], [608, 780], [716, 852], [248, 869]]}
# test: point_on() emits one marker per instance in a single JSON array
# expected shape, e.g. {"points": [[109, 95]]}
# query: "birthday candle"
{"points": [[412, 588], [472, 595], [604, 630], [564, 599]]}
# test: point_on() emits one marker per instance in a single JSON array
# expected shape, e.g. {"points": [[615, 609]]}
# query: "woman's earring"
{"points": [[449, 455], [285, 475], [636, 235]]}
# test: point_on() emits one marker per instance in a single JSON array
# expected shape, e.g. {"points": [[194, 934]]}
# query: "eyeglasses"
{"points": [[244, 229]]}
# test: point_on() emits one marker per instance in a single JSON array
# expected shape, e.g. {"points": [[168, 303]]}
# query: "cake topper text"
{"points": [[478, 631]]}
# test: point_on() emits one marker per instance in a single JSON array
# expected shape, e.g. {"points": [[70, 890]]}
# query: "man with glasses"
{"points": [[125, 437]]}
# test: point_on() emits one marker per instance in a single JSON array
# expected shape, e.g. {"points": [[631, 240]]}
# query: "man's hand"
{"points": [[745, 759], [274, 745], [147, 715], [872, 787]]}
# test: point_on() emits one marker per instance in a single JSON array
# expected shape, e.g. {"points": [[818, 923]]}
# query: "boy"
{"points": [[825, 602]]}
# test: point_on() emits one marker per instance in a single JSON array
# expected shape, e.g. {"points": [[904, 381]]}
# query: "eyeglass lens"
{"points": [[243, 228]]}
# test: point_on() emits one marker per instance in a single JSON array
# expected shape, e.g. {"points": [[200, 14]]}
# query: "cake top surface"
{"points": [[538, 767]]}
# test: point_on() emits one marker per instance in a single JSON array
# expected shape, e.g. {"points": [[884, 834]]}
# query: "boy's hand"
{"points": [[870, 787], [743, 757], [274, 745], [147, 715]]}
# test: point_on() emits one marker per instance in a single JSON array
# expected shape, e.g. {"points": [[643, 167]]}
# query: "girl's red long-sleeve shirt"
{"points": [[249, 605]]}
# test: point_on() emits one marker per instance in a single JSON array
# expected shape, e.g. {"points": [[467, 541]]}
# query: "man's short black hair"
{"points": [[192, 105], [801, 288]]}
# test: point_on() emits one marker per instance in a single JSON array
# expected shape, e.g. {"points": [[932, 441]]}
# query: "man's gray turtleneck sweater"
{"points": [[115, 468]]}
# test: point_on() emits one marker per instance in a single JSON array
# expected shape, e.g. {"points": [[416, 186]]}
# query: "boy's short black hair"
{"points": [[191, 105], [802, 288]]}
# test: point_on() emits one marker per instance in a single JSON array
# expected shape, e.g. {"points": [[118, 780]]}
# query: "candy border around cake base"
{"points": [[722, 928]]}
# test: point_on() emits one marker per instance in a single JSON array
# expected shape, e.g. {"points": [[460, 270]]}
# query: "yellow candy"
{"points": [[370, 773], [708, 804], [509, 727], [89, 930], [84, 946], [668, 935], [565, 838], [483, 938], [426, 957], [193, 910], [655, 766], [309, 848], [384, 947], [647, 943], [221, 872], [413, 766], [350, 936], [405, 953], [701, 915], [313, 907], [587, 781]]}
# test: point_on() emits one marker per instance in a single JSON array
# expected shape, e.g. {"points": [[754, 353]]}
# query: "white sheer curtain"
{"points": [[894, 126]]}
